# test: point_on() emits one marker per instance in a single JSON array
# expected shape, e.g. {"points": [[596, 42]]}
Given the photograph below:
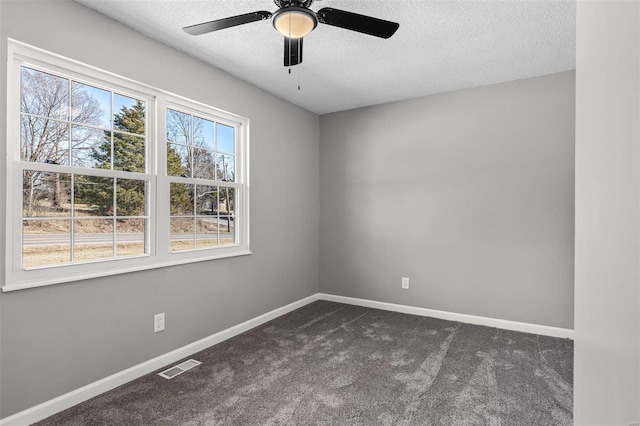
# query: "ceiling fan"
{"points": [[295, 20]]}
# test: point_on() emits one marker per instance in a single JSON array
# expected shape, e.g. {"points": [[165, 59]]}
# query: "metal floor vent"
{"points": [[176, 370]]}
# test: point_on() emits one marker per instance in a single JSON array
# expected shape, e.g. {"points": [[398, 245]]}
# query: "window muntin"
{"points": [[66, 165]]}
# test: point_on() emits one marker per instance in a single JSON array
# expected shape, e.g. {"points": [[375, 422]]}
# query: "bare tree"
{"points": [[186, 130], [46, 103]]}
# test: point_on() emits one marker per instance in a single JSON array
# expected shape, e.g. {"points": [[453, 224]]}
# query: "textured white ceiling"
{"points": [[441, 46]]}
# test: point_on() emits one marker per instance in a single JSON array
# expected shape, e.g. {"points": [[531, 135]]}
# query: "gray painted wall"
{"points": [[59, 338], [470, 194], [607, 298]]}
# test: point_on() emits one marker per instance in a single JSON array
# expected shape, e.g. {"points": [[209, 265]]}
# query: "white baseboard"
{"points": [[68, 400], [53, 406], [451, 316]]}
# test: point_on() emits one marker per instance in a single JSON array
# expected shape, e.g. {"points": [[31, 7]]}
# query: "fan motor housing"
{"points": [[288, 3]]}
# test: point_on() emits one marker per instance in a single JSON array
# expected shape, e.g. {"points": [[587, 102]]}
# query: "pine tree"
{"points": [[128, 155], [181, 195], [128, 150]]}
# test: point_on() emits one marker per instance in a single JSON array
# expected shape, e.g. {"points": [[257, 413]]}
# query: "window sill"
{"points": [[21, 285]]}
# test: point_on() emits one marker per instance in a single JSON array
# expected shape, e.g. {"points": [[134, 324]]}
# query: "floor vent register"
{"points": [[176, 370]]}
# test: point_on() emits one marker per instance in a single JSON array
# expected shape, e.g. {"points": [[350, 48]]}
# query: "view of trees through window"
{"points": [[88, 198], [201, 157], [107, 175], [75, 216]]}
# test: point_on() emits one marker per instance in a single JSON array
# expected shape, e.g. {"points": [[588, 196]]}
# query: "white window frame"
{"points": [[241, 178], [158, 209]]}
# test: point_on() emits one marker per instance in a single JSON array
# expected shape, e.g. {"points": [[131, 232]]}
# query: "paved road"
{"points": [[57, 239]]}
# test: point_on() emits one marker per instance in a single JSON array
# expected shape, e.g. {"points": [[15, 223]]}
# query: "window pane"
{"points": [[90, 147], [130, 237], [128, 153], [130, 197], [46, 194], [178, 158], [226, 167], [182, 233], [203, 133], [129, 114], [46, 242], [206, 232], [203, 164], [93, 196], [225, 138], [43, 140], [181, 199], [43, 94], [227, 229], [90, 105], [92, 239], [206, 200], [227, 201], [178, 127]]}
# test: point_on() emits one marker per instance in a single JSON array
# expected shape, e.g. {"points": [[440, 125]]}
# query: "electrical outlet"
{"points": [[405, 283], [158, 322]]}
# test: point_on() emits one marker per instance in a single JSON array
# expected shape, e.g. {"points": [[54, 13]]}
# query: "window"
{"points": [[201, 165], [97, 184], [69, 213]]}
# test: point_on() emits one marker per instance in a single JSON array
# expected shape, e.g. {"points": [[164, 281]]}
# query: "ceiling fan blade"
{"points": [[292, 51], [232, 21], [356, 22]]}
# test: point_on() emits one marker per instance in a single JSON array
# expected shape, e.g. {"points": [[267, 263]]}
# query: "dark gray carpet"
{"points": [[334, 364]]}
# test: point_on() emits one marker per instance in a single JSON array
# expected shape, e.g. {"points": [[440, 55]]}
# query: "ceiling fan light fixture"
{"points": [[294, 22]]}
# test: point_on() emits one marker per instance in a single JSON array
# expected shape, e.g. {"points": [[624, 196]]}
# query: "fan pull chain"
{"points": [[298, 77]]}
